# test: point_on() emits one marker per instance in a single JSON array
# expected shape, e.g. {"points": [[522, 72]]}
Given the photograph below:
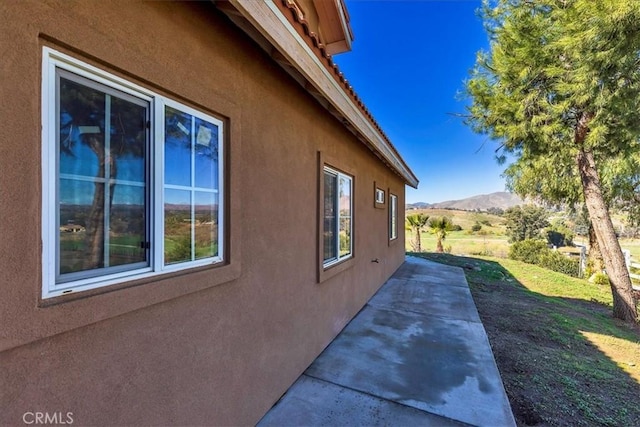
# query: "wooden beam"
{"points": [[227, 7]]}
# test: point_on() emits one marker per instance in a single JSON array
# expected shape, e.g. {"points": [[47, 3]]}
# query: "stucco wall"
{"points": [[213, 346]]}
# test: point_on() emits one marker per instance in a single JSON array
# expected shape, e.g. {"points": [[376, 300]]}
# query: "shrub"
{"points": [[558, 234], [536, 252], [592, 269], [178, 248], [528, 251], [556, 261], [601, 279], [476, 227]]}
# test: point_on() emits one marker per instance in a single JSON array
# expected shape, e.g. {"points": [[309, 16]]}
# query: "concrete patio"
{"points": [[416, 354]]}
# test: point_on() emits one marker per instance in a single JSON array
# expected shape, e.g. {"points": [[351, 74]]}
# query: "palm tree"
{"points": [[416, 222], [439, 227]]}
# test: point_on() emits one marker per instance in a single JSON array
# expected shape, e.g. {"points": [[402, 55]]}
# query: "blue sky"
{"points": [[408, 63]]}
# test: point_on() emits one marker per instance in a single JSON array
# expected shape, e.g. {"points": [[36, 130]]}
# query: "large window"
{"points": [[393, 216], [337, 208], [131, 180]]}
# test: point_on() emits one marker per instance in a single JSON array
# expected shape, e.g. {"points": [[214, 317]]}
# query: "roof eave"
{"points": [[322, 80], [334, 19]]}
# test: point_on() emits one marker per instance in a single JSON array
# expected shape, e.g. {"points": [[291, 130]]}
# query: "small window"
{"points": [[337, 224], [393, 216], [132, 181], [379, 196]]}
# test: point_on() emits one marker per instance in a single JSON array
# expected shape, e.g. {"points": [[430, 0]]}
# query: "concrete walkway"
{"points": [[416, 354]]}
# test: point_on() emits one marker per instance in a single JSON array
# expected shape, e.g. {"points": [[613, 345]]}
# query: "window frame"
{"points": [[328, 263], [379, 196], [52, 60], [393, 216]]}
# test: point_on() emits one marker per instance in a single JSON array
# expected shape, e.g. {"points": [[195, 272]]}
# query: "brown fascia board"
{"points": [[279, 28]]}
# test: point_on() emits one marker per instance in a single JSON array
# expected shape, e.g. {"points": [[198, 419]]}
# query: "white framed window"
{"points": [[337, 220], [379, 196], [132, 181], [393, 216]]}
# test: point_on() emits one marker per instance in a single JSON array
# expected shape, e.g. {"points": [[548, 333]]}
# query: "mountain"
{"points": [[501, 199]]}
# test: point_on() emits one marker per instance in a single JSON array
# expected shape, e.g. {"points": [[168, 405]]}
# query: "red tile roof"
{"points": [[295, 16]]}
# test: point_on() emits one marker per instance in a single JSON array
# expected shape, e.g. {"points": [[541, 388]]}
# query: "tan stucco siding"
{"points": [[211, 347]]}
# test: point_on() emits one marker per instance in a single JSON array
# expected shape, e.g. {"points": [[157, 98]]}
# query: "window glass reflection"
{"points": [[345, 196], [206, 154], [177, 226], [177, 146], [74, 211], [206, 225], [345, 236], [345, 215], [330, 216], [394, 217], [127, 142], [102, 139], [127, 225], [81, 129]]}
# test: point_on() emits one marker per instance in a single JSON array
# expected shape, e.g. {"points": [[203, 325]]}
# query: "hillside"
{"points": [[501, 199], [465, 219]]}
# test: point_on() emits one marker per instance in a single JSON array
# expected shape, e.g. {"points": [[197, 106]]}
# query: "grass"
{"points": [[633, 245], [563, 359], [464, 242], [490, 240]]}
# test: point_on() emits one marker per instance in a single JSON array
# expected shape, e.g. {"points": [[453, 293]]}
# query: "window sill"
{"points": [[331, 270], [138, 291], [125, 279]]}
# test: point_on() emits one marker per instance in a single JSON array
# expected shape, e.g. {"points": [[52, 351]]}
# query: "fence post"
{"points": [[627, 259]]}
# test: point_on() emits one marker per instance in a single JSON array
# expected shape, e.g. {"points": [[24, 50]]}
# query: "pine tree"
{"points": [[560, 90]]}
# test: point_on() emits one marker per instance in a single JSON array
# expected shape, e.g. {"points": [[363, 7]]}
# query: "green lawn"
{"points": [[491, 239], [633, 245], [465, 243]]}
